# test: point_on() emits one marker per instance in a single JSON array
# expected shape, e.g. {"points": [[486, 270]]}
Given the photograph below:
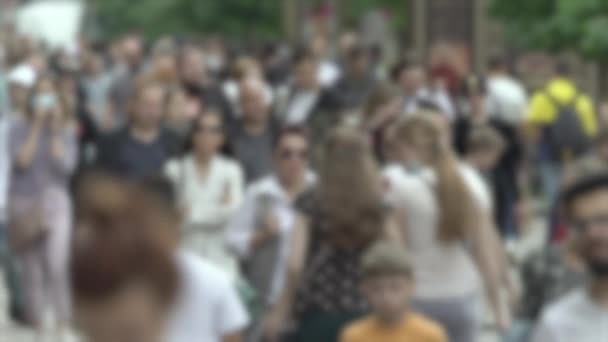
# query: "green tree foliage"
{"points": [[557, 25], [234, 18]]}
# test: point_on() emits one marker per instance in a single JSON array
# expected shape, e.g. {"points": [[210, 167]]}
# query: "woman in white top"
{"points": [[447, 227], [210, 190]]}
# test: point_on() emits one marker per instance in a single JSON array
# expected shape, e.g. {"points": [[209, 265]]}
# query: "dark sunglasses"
{"points": [[288, 154], [584, 225]]}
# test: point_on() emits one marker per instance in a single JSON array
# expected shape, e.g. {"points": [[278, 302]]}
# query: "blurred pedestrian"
{"points": [[261, 230], [562, 121], [412, 80], [210, 188], [20, 80], [182, 110], [43, 148], [251, 136], [449, 229], [131, 281], [507, 100], [304, 97], [484, 148], [505, 175], [131, 56], [388, 285], [341, 218], [382, 110], [96, 82], [582, 314], [357, 82], [142, 148]]}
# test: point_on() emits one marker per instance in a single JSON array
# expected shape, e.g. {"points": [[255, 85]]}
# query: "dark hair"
{"points": [[194, 128], [301, 55], [287, 131], [582, 187], [398, 68], [496, 63], [356, 52]]}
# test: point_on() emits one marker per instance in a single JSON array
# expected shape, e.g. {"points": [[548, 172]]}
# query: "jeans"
{"points": [[550, 173]]}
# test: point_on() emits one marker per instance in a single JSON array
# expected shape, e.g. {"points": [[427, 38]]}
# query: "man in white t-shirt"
{"points": [[582, 316], [507, 100]]}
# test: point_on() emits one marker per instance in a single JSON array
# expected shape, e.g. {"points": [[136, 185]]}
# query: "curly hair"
{"points": [[350, 195]]}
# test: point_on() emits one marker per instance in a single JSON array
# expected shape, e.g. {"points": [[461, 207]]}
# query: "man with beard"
{"points": [[582, 316]]}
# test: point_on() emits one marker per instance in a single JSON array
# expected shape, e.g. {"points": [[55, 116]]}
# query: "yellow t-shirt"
{"points": [[414, 328]]}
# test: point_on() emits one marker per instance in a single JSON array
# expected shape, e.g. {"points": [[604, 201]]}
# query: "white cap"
{"points": [[23, 75]]}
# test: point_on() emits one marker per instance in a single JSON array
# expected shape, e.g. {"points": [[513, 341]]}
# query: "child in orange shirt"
{"points": [[388, 286]]}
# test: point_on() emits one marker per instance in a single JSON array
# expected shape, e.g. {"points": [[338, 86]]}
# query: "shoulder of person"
{"points": [[356, 331], [264, 184], [430, 329]]}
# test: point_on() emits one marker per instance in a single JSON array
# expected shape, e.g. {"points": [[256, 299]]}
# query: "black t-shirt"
{"points": [[120, 153]]}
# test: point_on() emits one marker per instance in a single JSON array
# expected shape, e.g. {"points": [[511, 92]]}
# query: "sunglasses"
{"points": [[289, 154]]}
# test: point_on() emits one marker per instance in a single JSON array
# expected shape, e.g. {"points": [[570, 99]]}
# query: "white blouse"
{"points": [[209, 200], [441, 270]]}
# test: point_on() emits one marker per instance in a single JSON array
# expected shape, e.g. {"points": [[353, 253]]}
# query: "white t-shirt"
{"points": [[574, 318], [441, 270], [242, 227], [507, 99], [208, 307]]}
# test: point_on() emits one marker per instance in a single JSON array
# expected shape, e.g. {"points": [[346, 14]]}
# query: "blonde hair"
{"points": [[424, 133], [350, 195]]}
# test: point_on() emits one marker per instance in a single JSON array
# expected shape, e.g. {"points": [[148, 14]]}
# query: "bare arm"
{"points": [[490, 265], [392, 227], [295, 264]]}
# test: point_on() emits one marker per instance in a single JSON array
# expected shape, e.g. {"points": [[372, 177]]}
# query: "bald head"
{"points": [[253, 101]]}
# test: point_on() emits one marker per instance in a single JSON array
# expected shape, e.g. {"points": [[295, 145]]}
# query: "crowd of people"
{"points": [[188, 190]]}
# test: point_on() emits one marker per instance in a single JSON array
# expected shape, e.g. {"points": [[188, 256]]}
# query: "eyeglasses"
{"points": [[584, 225], [288, 154]]}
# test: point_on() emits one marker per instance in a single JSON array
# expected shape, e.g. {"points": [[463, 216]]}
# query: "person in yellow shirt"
{"points": [[561, 139], [388, 286]]}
